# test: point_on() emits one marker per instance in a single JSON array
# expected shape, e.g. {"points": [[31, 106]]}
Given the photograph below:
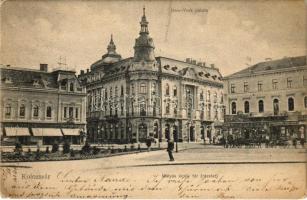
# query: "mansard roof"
{"points": [[167, 66], [29, 78], [272, 65], [189, 70]]}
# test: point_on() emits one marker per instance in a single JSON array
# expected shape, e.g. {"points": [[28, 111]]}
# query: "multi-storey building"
{"points": [[38, 106], [269, 97], [146, 96]]}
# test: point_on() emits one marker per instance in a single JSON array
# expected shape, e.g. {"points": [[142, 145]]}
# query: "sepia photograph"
{"points": [[152, 99]]}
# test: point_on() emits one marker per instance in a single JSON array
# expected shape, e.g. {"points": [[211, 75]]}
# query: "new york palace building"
{"points": [[130, 99]]}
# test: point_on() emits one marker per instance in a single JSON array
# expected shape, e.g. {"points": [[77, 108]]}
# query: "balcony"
{"points": [[248, 118]]}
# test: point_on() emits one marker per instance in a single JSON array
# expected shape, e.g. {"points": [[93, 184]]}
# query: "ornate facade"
{"points": [[268, 98], [38, 106], [146, 96]]}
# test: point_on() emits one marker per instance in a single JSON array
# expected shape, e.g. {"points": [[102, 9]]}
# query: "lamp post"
{"points": [[176, 135]]}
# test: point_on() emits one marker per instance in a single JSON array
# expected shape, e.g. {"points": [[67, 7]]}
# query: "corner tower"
{"points": [[144, 46]]}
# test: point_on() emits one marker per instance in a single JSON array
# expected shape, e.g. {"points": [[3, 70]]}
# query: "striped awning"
{"points": [[17, 131], [73, 131], [49, 132]]}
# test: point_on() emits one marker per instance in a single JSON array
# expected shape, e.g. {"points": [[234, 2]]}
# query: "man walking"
{"points": [[170, 148]]}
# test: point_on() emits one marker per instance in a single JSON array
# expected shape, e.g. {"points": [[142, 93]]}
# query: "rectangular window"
{"points": [[289, 82], [304, 80], [65, 112], [232, 88], [35, 111], [122, 91], [259, 86], [122, 109], [22, 111], [71, 112], [116, 92], [77, 113], [245, 86], [8, 110], [274, 84], [143, 88], [132, 89], [49, 112]]}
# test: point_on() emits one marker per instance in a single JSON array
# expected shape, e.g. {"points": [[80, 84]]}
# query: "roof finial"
{"points": [[111, 37], [144, 10]]}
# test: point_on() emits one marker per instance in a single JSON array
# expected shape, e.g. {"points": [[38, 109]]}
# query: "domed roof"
{"points": [[111, 56]]}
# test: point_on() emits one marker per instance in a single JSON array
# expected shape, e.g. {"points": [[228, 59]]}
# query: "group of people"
{"points": [[231, 141]]}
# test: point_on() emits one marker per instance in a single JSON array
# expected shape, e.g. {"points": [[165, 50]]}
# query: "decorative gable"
{"points": [[188, 72]]}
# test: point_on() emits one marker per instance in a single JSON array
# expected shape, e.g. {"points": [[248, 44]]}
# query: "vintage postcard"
{"points": [[153, 99]]}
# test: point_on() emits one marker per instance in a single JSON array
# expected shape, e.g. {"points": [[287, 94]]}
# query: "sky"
{"points": [[231, 34]]}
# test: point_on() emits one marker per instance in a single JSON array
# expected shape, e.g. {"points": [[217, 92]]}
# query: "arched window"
{"points": [[143, 109], [35, 111], [201, 95], [175, 109], [291, 104], [175, 91], [49, 112], [8, 111], [153, 88], [215, 97], [233, 108], [167, 109], [305, 101], [246, 107], [22, 111], [106, 94], [71, 87], [167, 89], [276, 106], [260, 106]]}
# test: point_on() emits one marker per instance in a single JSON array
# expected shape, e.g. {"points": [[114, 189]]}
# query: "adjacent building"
{"points": [[42, 107], [268, 98], [144, 96]]}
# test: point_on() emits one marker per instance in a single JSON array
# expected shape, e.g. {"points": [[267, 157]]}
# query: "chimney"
{"points": [[87, 70], [212, 66], [43, 67], [188, 60], [194, 62], [199, 63], [82, 72]]}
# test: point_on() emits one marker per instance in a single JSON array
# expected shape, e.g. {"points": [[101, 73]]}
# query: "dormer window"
{"points": [[63, 85], [8, 80], [71, 87], [35, 83]]}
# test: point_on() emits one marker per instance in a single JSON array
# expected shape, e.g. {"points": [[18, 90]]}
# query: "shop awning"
{"points": [[17, 131], [73, 131], [49, 132]]}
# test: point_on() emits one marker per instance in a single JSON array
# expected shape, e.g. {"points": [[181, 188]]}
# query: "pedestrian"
{"points": [[148, 143], [302, 140], [267, 140], [170, 148]]}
